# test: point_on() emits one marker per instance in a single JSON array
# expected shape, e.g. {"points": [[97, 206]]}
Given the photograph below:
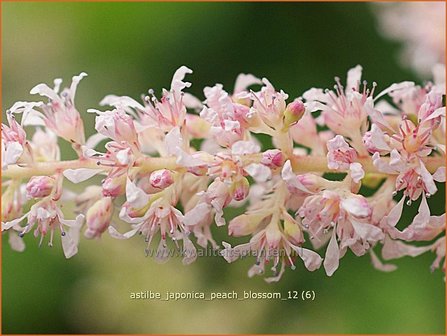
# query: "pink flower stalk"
{"points": [[170, 192]]}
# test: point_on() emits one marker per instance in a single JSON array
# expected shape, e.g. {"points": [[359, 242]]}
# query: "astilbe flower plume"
{"points": [[157, 185]]}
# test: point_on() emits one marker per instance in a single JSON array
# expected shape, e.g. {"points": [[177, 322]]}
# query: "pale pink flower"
{"points": [[270, 105], [164, 218], [342, 156], [347, 215], [413, 177], [270, 244], [424, 227], [12, 208], [60, 114], [216, 197], [119, 126], [344, 110], [228, 120], [14, 144], [48, 218], [166, 113]]}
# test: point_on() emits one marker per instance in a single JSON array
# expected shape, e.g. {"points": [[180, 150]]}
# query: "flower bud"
{"points": [[293, 231], [39, 186], [98, 217], [114, 184], [161, 179], [273, 158], [239, 189], [293, 113], [244, 225]]}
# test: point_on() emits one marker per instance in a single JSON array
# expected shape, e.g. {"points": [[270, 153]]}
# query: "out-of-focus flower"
{"points": [[420, 26]]}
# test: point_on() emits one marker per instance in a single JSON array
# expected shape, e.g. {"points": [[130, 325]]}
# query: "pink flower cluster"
{"points": [[156, 184]]}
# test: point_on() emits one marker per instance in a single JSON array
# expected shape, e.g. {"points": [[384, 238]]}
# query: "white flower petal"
{"points": [[379, 265], [430, 185], [136, 196], [312, 260], [197, 214], [68, 245], [117, 235], [290, 178], [173, 141], [439, 175], [356, 171], [332, 257], [16, 242], [367, 231], [245, 147], [243, 81], [81, 174], [259, 172], [177, 83], [353, 79]]}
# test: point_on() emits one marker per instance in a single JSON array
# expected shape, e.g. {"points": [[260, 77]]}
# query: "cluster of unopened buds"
{"points": [[342, 167]]}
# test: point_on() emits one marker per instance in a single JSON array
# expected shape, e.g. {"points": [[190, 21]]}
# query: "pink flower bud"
{"points": [[98, 217], [161, 179], [293, 113], [239, 189], [39, 186], [114, 186], [296, 108], [273, 158]]}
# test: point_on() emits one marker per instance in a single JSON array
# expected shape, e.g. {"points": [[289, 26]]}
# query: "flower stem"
{"points": [[300, 164]]}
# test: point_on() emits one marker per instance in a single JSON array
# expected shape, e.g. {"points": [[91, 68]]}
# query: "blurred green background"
{"points": [[127, 48]]}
